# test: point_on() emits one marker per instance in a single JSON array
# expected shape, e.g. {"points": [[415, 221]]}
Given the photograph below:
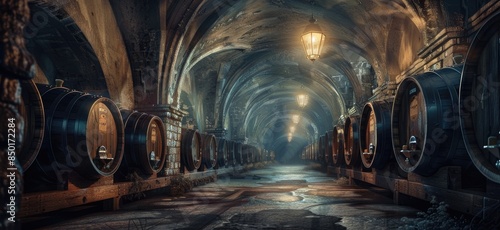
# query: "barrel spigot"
{"points": [[153, 159], [492, 142], [413, 143], [408, 150], [103, 157], [372, 148]]}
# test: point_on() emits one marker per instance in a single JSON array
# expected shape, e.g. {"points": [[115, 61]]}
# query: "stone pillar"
{"points": [[171, 118], [15, 64]]}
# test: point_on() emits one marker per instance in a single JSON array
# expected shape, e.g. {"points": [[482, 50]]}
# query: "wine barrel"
{"points": [[190, 149], [248, 153], [375, 131], [337, 146], [480, 99], [145, 147], [231, 153], [425, 133], [322, 150], [222, 153], [238, 153], [83, 133], [32, 111], [209, 150], [328, 141], [352, 155]]}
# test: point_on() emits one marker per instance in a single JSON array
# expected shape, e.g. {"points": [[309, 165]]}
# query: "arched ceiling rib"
{"points": [[261, 41]]}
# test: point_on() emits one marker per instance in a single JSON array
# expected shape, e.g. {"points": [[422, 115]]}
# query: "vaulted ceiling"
{"points": [[238, 65]]}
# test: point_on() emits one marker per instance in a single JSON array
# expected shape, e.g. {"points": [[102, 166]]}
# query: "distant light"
{"points": [[292, 129], [302, 100], [290, 135]]}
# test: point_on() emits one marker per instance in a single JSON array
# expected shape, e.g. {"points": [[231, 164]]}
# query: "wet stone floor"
{"points": [[273, 197]]}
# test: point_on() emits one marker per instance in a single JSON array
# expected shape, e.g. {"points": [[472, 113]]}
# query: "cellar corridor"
{"points": [[273, 197], [249, 114]]}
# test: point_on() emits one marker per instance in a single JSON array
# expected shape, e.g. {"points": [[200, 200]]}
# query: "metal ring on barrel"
{"points": [[223, 153], [480, 99], [190, 149], [425, 134], [375, 134], [337, 146], [31, 109], [351, 141]]}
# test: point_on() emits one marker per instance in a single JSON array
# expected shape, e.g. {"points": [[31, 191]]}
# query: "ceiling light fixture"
{"points": [[313, 39]]}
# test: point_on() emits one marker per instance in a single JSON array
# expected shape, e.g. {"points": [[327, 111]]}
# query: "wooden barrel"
{"points": [[190, 149], [425, 132], [32, 111], [480, 99], [338, 146], [238, 153], [375, 134], [231, 152], [352, 155], [145, 146], [222, 153], [322, 150], [328, 141], [209, 150], [83, 133], [248, 153]]}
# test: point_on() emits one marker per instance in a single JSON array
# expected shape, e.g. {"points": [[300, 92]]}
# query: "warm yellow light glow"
{"points": [[313, 40], [290, 135], [292, 129], [295, 118], [302, 100]]}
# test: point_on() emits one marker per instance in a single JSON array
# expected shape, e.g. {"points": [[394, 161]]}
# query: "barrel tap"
{"points": [[493, 146], [153, 159], [368, 153], [407, 152], [102, 156]]}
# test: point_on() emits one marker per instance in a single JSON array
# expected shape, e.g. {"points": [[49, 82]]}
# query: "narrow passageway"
{"points": [[274, 197]]}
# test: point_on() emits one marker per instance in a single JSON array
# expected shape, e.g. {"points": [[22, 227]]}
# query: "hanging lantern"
{"points": [[302, 100], [313, 40], [295, 118]]}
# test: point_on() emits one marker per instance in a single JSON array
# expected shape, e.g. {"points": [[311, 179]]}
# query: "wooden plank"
{"points": [[446, 177]]}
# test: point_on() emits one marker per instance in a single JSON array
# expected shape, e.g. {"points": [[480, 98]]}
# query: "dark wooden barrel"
{"points": [[375, 134], [145, 143], [248, 153], [425, 131], [83, 133], [231, 152], [209, 150], [338, 146], [328, 141], [352, 155], [222, 153], [32, 111], [322, 149], [238, 153], [480, 99], [191, 149]]}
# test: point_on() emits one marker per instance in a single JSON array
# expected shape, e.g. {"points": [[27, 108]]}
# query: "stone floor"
{"points": [[274, 197]]}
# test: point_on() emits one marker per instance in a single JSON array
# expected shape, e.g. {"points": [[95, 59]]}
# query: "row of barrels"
{"points": [[68, 131], [72, 134], [446, 117], [201, 151]]}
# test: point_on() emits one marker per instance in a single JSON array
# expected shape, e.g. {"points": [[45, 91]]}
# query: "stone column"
{"points": [[171, 118], [15, 64]]}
